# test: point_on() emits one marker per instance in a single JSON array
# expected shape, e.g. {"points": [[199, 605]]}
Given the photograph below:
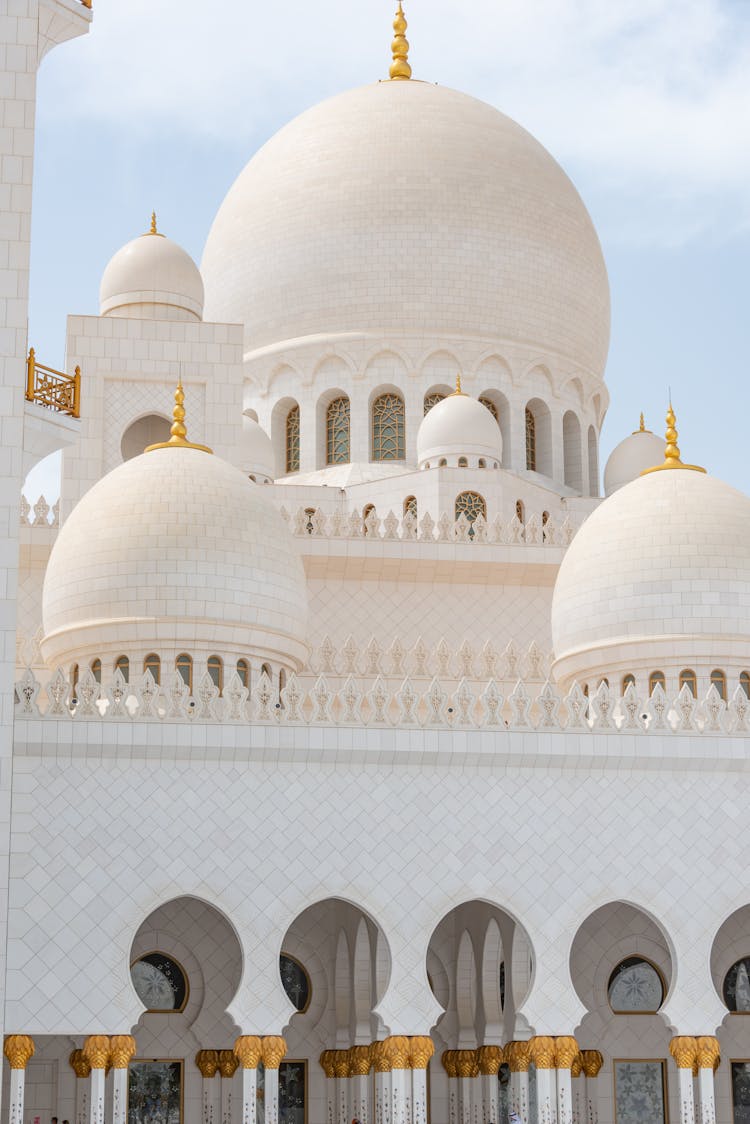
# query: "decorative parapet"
{"points": [[481, 662], [316, 524], [50, 388], [41, 514], [528, 707]]}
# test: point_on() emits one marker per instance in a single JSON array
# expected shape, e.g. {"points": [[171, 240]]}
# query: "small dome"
{"points": [[175, 551], [152, 278], [256, 452], [459, 428], [640, 450], [657, 577]]}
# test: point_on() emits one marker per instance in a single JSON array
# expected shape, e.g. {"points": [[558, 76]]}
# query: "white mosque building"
{"points": [[359, 761]]}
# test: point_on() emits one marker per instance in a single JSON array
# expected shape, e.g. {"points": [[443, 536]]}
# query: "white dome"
{"points": [[640, 450], [459, 427], [256, 451], [657, 577], [174, 551], [402, 206], [152, 278]]}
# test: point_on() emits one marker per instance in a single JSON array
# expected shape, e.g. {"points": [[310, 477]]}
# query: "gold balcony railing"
{"points": [[86, 3], [51, 388]]}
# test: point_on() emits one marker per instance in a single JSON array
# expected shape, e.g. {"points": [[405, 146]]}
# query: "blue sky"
{"points": [[645, 103]]}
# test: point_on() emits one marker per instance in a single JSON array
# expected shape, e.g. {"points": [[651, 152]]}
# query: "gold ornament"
{"points": [[96, 1051], [274, 1049], [248, 1050], [326, 1061], [227, 1063], [466, 1063], [396, 1049], [591, 1061], [672, 460], [518, 1056], [78, 1064], [178, 430], [489, 1059], [400, 68], [380, 1059], [576, 1068], [421, 1049], [121, 1050], [542, 1050], [359, 1061], [207, 1062], [18, 1049], [684, 1050], [450, 1062], [340, 1063], [708, 1052], [566, 1051]]}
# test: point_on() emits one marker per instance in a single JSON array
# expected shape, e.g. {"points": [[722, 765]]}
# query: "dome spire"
{"points": [[400, 68], [641, 426], [152, 228], [458, 389], [672, 451], [178, 440]]}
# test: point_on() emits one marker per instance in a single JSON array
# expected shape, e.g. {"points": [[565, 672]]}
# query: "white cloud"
{"points": [[647, 100]]}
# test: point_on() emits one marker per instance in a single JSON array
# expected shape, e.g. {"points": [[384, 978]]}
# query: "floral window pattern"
{"points": [[155, 1092], [388, 428], [736, 987], [530, 441], [431, 400], [337, 431], [740, 1092], [292, 440], [640, 1092], [160, 982], [635, 986], [470, 504], [490, 405], [292, 1108]]}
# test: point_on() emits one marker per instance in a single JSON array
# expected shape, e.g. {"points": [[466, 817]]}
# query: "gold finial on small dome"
{"points": [[458, 389], [672, 451], [641, 426], [400, 69], [178, 440], [152, 229]]}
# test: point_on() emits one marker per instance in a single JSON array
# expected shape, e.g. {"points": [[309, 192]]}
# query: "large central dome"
{"points": [[403, 206]]}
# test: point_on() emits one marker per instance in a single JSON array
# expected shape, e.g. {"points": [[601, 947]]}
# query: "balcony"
{"points": [[53, 389]]}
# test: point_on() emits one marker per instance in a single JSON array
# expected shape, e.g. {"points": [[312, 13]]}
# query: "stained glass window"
{"points": [[292, 440], [635, 985], [737, 986], [490, 405], [470, 504], [160, 982], [337, 431], [296, 981], [388, 429], [431, 400], [530, 441]]}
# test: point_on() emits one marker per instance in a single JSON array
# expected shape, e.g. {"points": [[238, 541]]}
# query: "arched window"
{"points": [[216, 671], [184, 665], [520, 513], [367, 511], [160, 982], [431, 400], [73, 684], [243, 670], [337, 431], [411, 507], [481, 463], [688, 679], [490, 405], [96, 670], [719, 681], [635, 987], [282, 683], [593, 463], [388, 428], [545, 521], [656, 678], [122, 664], [463, 462], [736, 989], [149, 430], [470, 504], [292, 440], [745, 682], [152, 663], [627, 681], [295, 981], [530, 441], [572, 457]]}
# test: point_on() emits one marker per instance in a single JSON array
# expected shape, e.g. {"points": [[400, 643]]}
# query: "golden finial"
{"points": [[642, 426], [458, 389], [672, 451], [178, 440], [400, 68], [153, 223]]}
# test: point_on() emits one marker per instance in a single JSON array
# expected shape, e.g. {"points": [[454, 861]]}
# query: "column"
{"points": [[592, 1061], [579, 1113], [542, 1049], [468, 1072], [359, 1082], [273, 1049], [18, 1048], [341, 1073], [326, 1062], [518, 1057], [227, 1068], [396, 1049], [709, 1056], [247, 1050], [489, 1060], [121, 1050], [684, 1050], [208, 1064], [96, 1053], [421, 1049], [566, 1052], [82, 1070], [382, 1064], [450, 1065]]}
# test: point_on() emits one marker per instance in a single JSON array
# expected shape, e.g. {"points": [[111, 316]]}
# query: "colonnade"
{"points": [[400, 1070]]}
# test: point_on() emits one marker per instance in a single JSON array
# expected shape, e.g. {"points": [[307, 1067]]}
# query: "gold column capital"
{"points": [[396, 1049], [684, 1050], [518, 1056], [380, 1059], [421, 1049], [466, 1063], [566, 1051], [576, 1068], [96, 1051], [708, 1052], [489, 1059], [78, 1064], [273, 1050], [450, 1062], [542, 1051], [591, 1061], [207, 1062], [340, 1063], [18, 1049], [359, 1061], [121, 1050], [326, 1062], [227, 1063], [248, 1050]]}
